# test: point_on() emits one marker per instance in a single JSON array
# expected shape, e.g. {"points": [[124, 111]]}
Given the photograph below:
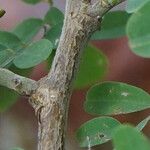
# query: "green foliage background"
{"points": [[17, 53]]}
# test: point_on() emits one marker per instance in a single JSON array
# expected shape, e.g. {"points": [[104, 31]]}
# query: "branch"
{"points": [[22, 85], [100, 7], [51, 99]]}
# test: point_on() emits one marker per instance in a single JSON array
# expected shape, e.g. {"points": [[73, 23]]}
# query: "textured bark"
{"points": [[22, 85], [51, 99], [55, 90]]}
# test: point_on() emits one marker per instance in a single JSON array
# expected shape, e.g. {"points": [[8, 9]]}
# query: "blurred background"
{"points": [[18, 125]]}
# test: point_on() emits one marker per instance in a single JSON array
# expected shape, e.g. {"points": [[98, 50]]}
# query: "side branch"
{"points": [[100, 7], [22, 85]]}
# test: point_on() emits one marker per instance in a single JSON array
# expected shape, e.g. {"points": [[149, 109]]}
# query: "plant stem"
{"points": [[51, 100]]}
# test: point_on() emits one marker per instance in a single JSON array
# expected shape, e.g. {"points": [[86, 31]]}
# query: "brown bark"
{"points": [[54, 92], [51, 99]]}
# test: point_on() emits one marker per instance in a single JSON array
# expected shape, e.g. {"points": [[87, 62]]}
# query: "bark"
{"points": [[54, 92], [51, 99], [22, 85]]}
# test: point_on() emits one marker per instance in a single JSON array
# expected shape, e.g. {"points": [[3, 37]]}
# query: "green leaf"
{"points": [[6, 56], [2, 47], [111, 98], [54, 16], [138, 31], [34, 54], [143, 123], [22, 72], [9, 45], [50, 60], [126, 137], [113, 26], [27, 29], [96, 131], [7, 98], [134, 5], [92, 67], [32, 1], [54, 34], [10, 40]]}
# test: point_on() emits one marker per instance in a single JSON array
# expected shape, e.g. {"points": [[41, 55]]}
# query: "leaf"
{"points": [[10, 40], [54, 35], [96, 131], [2, 47], [6, 56], [113, 26], [9, 45], [92, 67], [32, 1], [138, 31], [7, 98], [50, 60], [111, 98], [134, 5], [22, 72], [27, 29], [54, 16], [143, 123], [126, 137], [34, 54]]}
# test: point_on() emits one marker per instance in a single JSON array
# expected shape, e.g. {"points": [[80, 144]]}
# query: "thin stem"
{"points": [[22, 85], [100, 7]]}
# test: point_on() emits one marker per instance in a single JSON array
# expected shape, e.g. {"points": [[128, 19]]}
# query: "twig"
{"points": [[100, 7], [22, 85]]}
